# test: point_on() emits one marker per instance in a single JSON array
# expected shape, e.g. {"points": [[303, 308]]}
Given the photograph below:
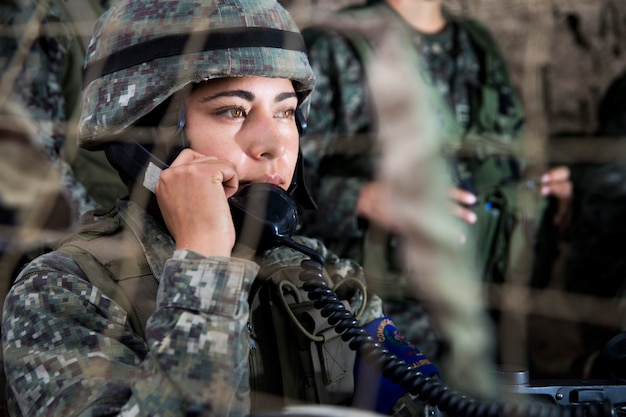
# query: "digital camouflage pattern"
{"points": [[47, 82], [196, 347], [466, 70]]}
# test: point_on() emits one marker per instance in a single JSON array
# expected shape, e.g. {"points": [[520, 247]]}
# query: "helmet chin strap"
{"points": [[172, 125], [298, 188]]}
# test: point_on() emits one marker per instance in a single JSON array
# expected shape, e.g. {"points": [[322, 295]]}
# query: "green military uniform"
{"points": [[464, 66]]}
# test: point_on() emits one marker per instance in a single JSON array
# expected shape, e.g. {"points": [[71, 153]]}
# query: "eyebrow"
{"points": [[285, 96], [245, 95]]}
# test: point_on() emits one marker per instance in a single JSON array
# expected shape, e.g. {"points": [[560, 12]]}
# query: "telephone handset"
{"points": [[264, 215]]}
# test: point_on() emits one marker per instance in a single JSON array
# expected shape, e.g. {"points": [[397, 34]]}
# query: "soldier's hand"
{"points": [[556, 182], [462, 200], [192, 196]]}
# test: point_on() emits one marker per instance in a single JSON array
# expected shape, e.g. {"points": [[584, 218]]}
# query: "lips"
{"points": [[275, 179], [268, 178]]}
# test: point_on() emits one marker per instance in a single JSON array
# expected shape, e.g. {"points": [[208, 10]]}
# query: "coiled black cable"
{"points": [[430, 390]]}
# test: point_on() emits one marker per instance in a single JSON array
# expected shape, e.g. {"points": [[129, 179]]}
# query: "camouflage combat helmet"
{"points": [[144, 51]]}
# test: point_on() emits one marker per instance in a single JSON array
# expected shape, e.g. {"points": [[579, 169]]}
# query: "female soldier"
{"points": [[145, 312]]}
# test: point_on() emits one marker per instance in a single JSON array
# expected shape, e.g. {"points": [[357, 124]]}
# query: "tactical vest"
{"points": [[295, 355]]}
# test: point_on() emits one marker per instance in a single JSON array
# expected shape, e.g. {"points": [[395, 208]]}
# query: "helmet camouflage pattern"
{"points": [[144, 51]]}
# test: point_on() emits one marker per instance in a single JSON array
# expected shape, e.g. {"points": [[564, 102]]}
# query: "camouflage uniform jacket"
{"points": [[463, 64], [70, 350]]}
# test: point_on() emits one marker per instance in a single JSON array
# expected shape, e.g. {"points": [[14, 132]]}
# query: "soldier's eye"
{"points": [[237, 112], [286, 114]]}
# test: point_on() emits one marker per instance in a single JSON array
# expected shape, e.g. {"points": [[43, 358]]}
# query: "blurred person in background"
{"points": [[481, 119]]}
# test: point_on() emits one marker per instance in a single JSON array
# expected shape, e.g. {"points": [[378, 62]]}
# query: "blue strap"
{"points": [[373, 390]]}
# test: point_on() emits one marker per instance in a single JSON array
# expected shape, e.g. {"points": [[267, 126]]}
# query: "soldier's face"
{"points": [[249, 121]]}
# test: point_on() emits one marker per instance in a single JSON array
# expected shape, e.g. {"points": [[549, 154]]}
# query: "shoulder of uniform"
{"points": [[99, 221], [94, 226]]}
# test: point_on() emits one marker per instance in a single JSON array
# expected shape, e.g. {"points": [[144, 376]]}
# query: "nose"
{"points": [[265, 137]]}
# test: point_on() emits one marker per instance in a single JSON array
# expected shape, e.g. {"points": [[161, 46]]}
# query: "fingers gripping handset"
{"points": [[264, 215]]}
